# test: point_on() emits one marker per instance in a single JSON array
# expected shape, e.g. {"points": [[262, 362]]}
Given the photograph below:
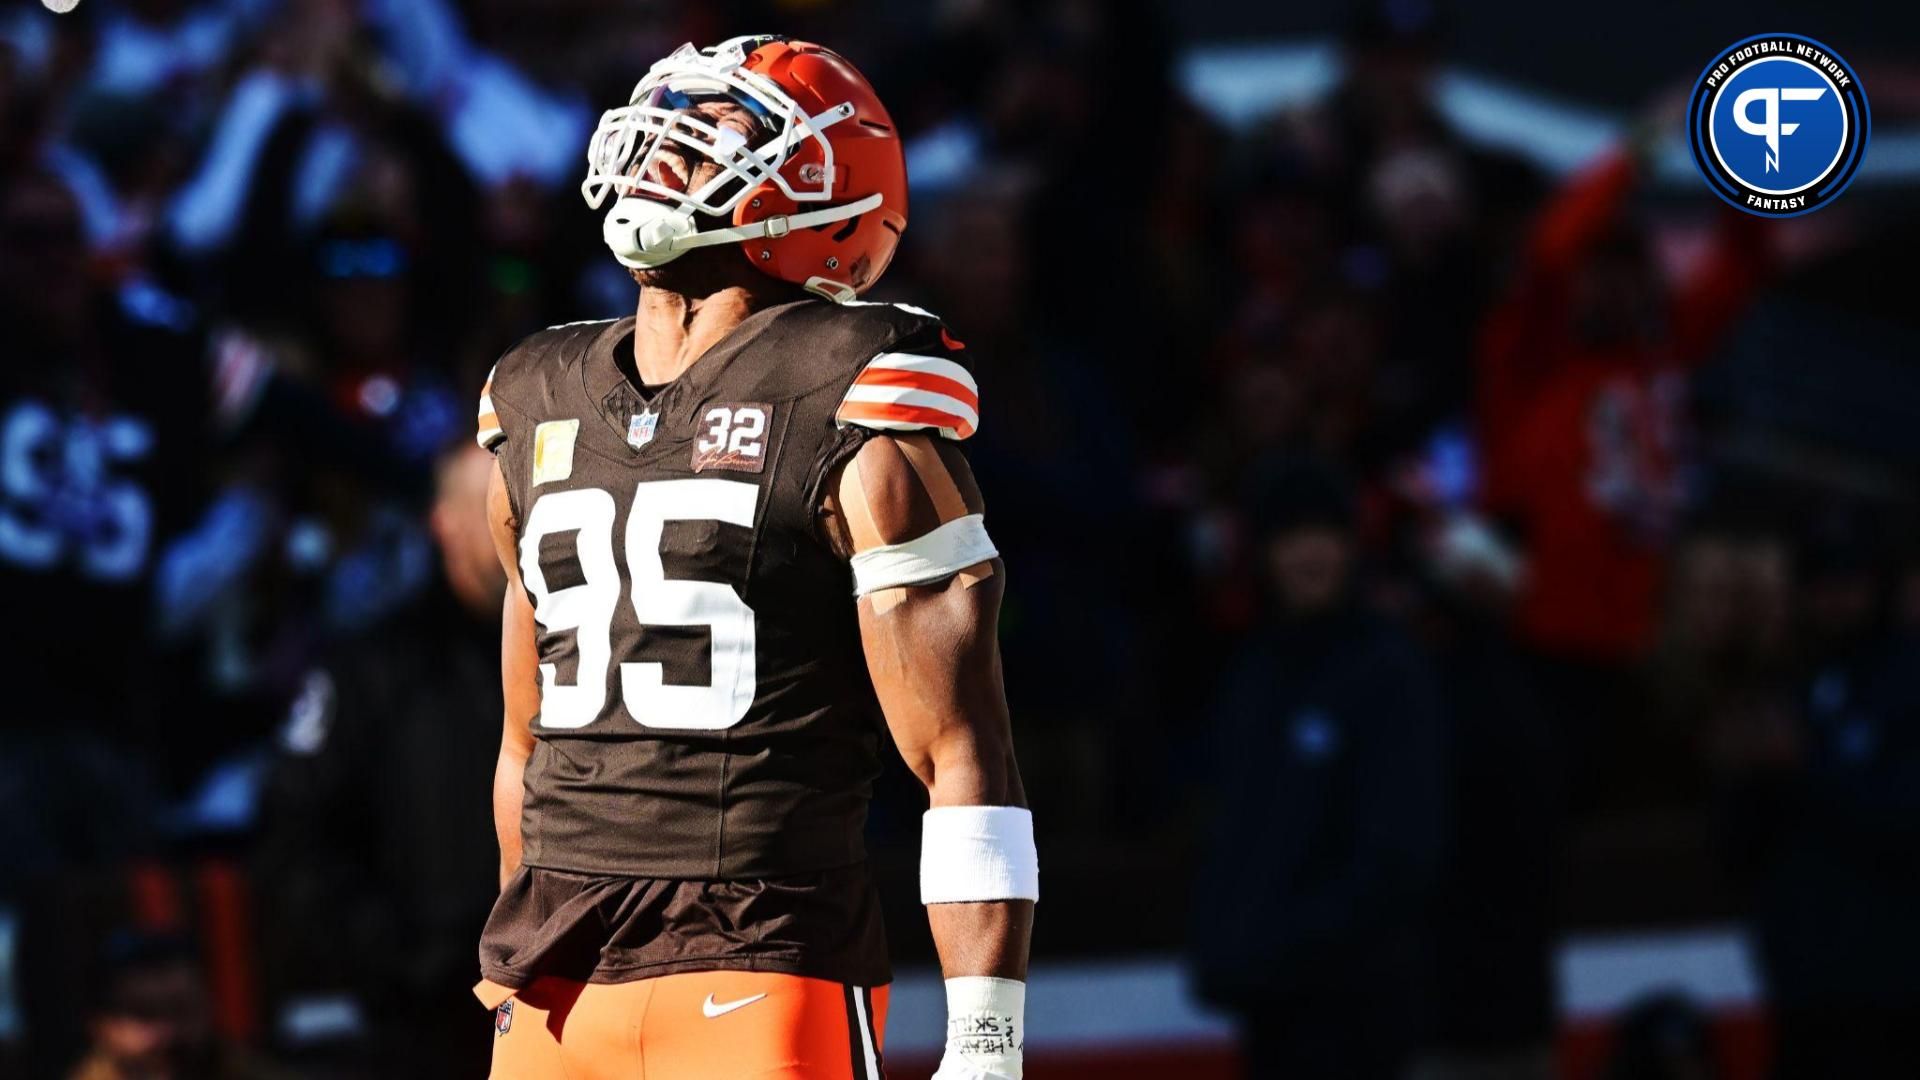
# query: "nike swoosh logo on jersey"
{"points": [[711, 1009]]}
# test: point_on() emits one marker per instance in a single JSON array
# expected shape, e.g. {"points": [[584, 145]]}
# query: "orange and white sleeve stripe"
{"points": [[490, 434], [910, 392]]}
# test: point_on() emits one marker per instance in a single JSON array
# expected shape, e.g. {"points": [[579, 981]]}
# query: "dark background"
{"points": [[1424, 551], [1606, 58]]}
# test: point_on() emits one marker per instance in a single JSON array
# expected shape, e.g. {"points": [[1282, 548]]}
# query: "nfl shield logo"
{"points": [[640, 428], [503, 1017]]}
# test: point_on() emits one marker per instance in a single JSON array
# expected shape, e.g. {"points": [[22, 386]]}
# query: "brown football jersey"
{"points": [[706, 714]]}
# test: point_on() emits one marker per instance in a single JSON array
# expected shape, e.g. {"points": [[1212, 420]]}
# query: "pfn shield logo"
{"points": [[1778, 125]]}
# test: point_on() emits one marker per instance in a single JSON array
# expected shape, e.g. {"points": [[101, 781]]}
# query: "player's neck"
{"points": [[672, 330]]}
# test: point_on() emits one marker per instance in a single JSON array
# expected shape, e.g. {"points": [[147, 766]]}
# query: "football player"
{"points": [[739, 533]]}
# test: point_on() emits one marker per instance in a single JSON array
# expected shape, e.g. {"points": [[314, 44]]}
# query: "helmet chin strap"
{"points": [[645, 233]]}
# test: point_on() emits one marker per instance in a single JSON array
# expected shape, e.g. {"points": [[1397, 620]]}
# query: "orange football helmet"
{"points": [[816, 195]]}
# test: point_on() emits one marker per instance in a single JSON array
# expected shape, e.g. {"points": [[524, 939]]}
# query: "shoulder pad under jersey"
{"points": [[490, 434], [519, 364], [922, 382]]}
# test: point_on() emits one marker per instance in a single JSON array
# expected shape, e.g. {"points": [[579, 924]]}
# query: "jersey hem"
{"points": [[610, 974], [858, 859]]}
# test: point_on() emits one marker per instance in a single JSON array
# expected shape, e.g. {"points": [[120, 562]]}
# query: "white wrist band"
{"points": [[986, 1028], [976, 853], [942, 553]]}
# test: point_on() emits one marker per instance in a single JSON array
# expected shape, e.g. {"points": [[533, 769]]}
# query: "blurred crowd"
{"points": [[1387, 597]]}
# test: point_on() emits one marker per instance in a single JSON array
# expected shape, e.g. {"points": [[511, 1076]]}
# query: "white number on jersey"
{"points": [[587, 608], [734, 431]]}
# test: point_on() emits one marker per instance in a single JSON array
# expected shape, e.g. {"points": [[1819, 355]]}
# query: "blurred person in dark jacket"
{"points": [[1423, 211], [1837, 897], [102, 459], [101, 456], [1493, 1003], [152, 1018], [1310, 917], [378, 865]]}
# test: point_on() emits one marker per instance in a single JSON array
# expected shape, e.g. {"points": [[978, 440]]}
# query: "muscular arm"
{"points": [[519, 678], [935, 663]]}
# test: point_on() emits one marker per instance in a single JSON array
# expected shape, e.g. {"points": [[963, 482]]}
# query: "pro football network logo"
{"points": [[1778, 125]]}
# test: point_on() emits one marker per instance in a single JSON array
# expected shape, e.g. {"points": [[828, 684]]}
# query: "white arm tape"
{"points": [[942, 553], [976, 853], [986, 1028]]}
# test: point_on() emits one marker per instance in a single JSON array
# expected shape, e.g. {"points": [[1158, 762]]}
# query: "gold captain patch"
{"points": [[553, 450]]}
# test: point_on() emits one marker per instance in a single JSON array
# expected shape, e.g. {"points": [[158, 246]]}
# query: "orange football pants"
{"points": [[704, 1025]]}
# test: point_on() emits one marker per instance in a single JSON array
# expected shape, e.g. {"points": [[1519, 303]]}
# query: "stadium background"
{"points": [[1463, 579]]}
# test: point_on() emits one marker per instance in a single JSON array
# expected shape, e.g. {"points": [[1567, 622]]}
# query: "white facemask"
{"points": [[651, 223]]}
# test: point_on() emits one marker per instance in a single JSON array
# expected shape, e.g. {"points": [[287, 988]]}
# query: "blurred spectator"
{"points": [[377, 853], [1835, 924], [103, 455], [1580, 415], [1414, 215], [1494, 924], [1311, 919], [1723, 668], [151, 1019]]}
